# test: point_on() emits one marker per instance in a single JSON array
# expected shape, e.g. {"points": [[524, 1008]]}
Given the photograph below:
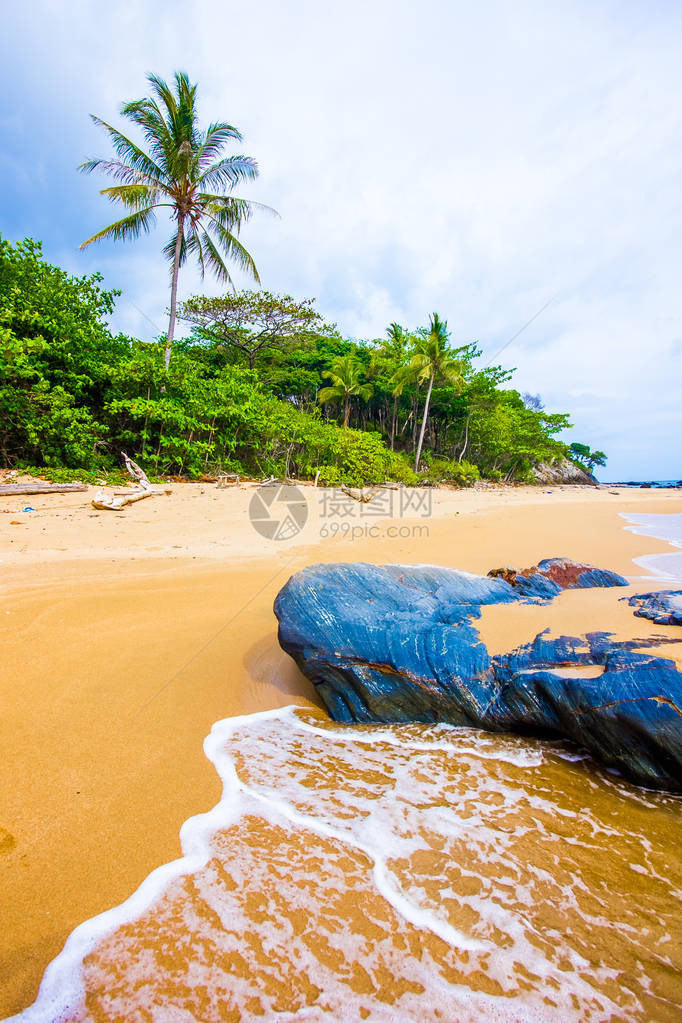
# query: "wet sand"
{"points": [[126, 636]]}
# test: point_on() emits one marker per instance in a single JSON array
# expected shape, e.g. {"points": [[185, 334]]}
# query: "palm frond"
{"points": [[326, 394], [164, 92], [129, 227], [230, 209], [229, 172], [216, 261], [169, 249], [215, 138], [233, 248], [419, 362], [123, 173], [158, 136], [336, 380], [194, 248], [134, 197], [181, 116], [129, 152]]}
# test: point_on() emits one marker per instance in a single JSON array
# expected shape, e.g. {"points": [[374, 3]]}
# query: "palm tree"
{"points": [[178, 171], [393, 352], [345, 377], [433, 359]]}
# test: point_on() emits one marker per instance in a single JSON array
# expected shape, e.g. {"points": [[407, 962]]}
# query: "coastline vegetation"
{"points": [[261, 386]]}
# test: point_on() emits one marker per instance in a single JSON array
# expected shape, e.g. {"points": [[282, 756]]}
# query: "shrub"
{"points": [[460, 474]]}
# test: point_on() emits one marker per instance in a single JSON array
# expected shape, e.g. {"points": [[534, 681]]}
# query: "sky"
{"points": [[489, 161]]}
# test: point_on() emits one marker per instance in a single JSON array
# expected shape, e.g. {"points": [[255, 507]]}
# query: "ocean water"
{"points": [[394, 873], [664, 527]]}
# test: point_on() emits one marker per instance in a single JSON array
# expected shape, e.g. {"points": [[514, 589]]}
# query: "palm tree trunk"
{"points": [[347, 415], [174, 292], [421, 432], [415, 410]]}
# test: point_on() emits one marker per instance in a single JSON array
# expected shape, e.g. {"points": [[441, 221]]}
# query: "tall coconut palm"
{"points": [[180, 169], [345, 376], [433, 359], [389, 356]]}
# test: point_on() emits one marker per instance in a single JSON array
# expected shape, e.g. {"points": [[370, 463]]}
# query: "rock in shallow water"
{"points": [[398, 643]]}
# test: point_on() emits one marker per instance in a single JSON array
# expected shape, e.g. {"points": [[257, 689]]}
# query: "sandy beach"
{"points": [[125, 636]]}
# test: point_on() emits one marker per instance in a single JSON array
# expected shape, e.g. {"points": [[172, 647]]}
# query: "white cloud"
{"points": [[475, 160]]}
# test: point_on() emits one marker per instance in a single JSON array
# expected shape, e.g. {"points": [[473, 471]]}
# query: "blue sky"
{"points": [[479, 160]]}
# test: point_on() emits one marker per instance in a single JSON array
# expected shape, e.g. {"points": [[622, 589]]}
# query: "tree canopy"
{"points": [[583, 454], [251, 321], [73, 394]]}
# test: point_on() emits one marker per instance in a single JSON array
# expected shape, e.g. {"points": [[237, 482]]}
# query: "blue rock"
{"points": [[398, 643], [663, 607], [552, 575]]}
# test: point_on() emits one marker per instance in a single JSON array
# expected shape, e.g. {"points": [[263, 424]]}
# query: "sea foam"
{"points": [[662, 527], [391, 873]]}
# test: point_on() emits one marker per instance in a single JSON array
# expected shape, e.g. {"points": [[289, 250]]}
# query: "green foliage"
{"points": [[252, 323], [460, 474], [346, 383], [93, 477], [432, 359], [585, 457], [182, 171], [73, 395], [55, 357], [295, 442]]}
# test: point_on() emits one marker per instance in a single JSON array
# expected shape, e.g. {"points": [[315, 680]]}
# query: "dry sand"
{"points": [[125, 636]]}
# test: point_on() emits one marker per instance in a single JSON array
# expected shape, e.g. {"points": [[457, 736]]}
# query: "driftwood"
{"points": [[360, 495], [6, 489], [104, 503], [226, 478]]}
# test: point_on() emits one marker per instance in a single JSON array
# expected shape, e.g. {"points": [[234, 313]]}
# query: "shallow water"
{"points": [[662, 527], [394, 873]]}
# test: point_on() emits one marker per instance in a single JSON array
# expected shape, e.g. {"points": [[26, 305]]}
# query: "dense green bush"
{"points": [[55, 354], [73, 396]]}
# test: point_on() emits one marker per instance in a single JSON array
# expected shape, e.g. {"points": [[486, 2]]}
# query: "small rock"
{"points": [[663, 607], [563, 573]]}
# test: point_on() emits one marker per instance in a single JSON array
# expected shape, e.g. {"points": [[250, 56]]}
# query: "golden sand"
{"points": [[125, 636]]}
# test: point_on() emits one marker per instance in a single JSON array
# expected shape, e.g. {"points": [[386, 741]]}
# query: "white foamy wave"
{"points": [[387, 873], [662, 527]]}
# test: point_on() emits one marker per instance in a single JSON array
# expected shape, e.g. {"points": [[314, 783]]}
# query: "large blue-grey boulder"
{"points": [[399, 643]]}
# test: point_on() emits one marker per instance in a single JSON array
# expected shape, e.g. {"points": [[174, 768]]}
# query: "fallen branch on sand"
{"points": [[104, 503], [362, 496], [6, 489]]}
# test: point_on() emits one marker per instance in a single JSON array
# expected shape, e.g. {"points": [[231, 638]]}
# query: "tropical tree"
{"points": [[433, 359], [253, 322], [387, 363], [180, 170], [346, 379], [586, 456]]}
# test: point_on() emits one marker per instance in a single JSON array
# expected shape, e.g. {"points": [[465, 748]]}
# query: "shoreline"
{"points": [[139, 638]]}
